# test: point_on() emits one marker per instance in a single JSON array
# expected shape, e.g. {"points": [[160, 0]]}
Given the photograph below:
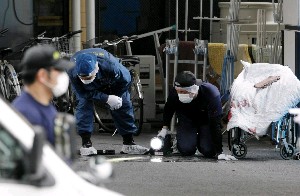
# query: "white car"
{"points": [[30, 166]]}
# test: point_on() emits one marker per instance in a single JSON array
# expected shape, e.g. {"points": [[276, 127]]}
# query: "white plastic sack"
{"points": [[252, 109]]}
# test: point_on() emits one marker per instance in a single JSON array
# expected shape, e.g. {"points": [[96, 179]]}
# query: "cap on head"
{"points": [[185, 79], [85, 64], [43, 56]]}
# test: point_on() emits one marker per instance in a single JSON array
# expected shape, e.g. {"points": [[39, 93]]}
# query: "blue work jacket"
{"points": [[112, 78]]}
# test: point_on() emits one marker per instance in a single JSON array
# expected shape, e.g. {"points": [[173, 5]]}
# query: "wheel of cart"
{"points": [[236, 142], [295, 133], [283, 134], [287, 152], [239, 150]]}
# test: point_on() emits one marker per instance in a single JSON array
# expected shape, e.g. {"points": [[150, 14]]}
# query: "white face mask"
{"points": [[185, 98], [61, 86], [88, 81], [94, 75]]}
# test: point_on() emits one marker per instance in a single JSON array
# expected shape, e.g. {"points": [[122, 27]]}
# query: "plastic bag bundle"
{"points": [[254, 109]]}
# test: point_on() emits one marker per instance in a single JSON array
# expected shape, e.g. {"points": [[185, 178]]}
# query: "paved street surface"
{"points": [[261, 172]]}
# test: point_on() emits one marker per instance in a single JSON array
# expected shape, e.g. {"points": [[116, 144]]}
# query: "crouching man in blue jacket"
{"points": [[99, 76]]}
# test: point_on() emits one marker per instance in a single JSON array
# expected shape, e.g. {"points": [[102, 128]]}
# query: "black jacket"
{"points": [[205, 109], [206, 105]]}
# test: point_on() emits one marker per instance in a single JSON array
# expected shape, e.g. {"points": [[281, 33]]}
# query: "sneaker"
{"points": [[87, 149], [134, 149]]}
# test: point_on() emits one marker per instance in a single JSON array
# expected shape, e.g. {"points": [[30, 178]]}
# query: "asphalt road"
{"points": [[261, 172]]}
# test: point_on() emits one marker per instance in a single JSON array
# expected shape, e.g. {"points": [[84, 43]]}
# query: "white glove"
{"points": [[226, 157], [114, 102], [162, 133]]}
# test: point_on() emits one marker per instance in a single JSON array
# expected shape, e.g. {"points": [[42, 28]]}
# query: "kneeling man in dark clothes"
{"points": [[198, 109]]}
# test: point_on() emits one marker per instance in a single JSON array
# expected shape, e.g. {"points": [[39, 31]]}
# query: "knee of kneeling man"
{"points": [[187, 152]]}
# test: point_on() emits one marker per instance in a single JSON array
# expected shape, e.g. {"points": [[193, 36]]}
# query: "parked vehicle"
{"points": [[30, 166]]}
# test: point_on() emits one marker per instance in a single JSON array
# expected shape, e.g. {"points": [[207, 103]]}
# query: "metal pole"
{"points": [[204, 64], [172, 128], [297, 52], [200, 21], [210, 22], [90, 21], [177, 44], [196, 65], [167, 76], [176, 32], [297, 73], [159, 62], [76, 24], [156, 31], [128, 48], [186, 19]]}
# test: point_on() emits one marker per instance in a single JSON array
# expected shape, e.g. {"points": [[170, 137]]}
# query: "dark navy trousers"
{"points": [[123, 117], [191, 137]]}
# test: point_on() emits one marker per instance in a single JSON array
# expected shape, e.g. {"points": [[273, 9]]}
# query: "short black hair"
{"points": [[185, 79]]}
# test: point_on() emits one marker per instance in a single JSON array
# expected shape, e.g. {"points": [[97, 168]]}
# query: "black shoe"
{"points": [[128, 140], [86, 139], [87, 149], [87, 144]]}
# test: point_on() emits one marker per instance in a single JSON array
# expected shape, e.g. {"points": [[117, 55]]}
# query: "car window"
{"points": [[11, 154]]}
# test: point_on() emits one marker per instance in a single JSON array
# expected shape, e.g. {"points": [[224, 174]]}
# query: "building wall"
{"points": [[18, 18]]}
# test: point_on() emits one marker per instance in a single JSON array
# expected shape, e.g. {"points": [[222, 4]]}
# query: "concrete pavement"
{"points": [[261, 172]]}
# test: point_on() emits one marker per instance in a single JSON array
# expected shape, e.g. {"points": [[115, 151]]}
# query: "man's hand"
{"points": [[162, 132], [114, 102], [226, 157]]}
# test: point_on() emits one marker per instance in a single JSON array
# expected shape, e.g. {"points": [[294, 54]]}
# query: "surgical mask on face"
{"points": [[88, 81], [185, 98], [94, 76], [61, 86]]}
